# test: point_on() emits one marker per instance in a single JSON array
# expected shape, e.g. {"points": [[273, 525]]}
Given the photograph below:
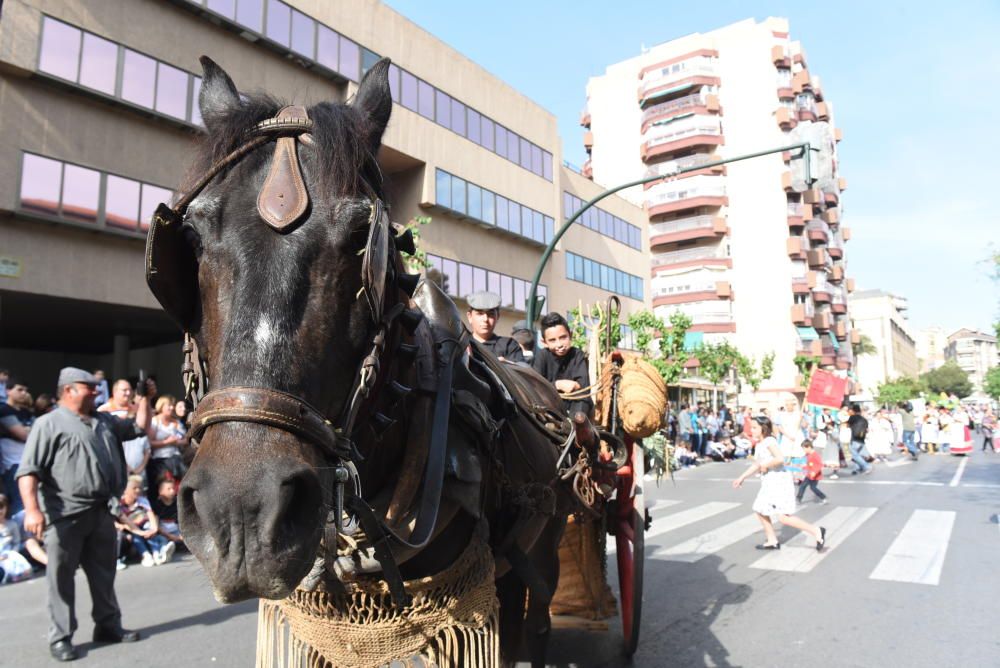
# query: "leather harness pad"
{"points": [[283, 199]]}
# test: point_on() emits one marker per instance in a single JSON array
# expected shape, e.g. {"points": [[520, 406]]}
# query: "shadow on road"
{"points": [[207, 618], [681, 605]]}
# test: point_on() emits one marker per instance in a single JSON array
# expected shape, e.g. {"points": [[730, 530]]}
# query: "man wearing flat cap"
{"points": [[71, 475], [484, 310]]}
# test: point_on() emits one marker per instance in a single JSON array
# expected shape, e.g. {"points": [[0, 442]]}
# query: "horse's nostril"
{"points": [[299, 503]]}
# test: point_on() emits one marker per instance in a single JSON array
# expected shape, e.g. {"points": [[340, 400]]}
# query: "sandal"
{"points": [[821, 543], [765, 546]]}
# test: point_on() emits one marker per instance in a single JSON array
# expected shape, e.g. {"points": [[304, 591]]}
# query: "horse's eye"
{"points": [[192, 237], [358, 238]]}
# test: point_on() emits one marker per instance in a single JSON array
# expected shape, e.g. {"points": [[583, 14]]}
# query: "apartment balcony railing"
{"points": [[685, 162], [836, 274], [822, 320], [585, 117], [710, 254], [588, 169], [840, 329], [838, 302], [818, 258], [688, 103], [802, 313], [822, 290], [835, 246], [787, 118], [683, 229], [684, 194], [818, 231], [805, 105], [812, 348], [695, 131], [693, 286], [850, 285], [701, 313], [831, 216], [697, 71], [588, 140], [795, 246]]}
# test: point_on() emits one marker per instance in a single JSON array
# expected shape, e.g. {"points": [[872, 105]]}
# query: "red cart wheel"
{"points": [[630, 527]]}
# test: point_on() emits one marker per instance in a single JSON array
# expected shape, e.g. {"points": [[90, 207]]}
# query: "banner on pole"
{"points": [[826, 389]]}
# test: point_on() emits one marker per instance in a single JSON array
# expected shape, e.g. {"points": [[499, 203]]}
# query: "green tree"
{"points": [[864, 346], [418, 261], [805, 364], [671, 356], [901, 389], [753, 375], [949, 379], [991, 383], [582, 325]]}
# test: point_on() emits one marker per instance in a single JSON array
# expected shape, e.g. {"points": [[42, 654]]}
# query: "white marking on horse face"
{"points": [[205, 206], [267, 338]]}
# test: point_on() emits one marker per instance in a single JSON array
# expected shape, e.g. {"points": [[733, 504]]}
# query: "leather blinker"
{"points": [[376, 259], [284, 199]]}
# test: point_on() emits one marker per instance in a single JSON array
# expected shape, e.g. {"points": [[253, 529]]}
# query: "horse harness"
{"points": [[172, 276]]}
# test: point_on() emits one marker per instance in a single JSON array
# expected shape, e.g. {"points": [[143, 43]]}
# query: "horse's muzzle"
{"points": [[254, 526]]}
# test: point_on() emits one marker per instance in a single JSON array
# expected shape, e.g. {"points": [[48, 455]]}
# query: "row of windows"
{"points": [[603, 222], [306, 37], [84, 195], [487, 207], [104, 66], [461, 279], [585, 270]]}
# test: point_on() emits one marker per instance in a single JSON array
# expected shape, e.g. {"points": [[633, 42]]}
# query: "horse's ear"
{"points": [[374, 100], [218, 93]]}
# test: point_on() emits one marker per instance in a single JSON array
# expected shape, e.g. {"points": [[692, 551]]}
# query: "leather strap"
{"points": [[284, 199], [267, 407]]}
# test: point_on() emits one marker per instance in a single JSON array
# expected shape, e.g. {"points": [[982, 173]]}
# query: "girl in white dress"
{"points": [[879, 439], [929, 433], [777, 492]]}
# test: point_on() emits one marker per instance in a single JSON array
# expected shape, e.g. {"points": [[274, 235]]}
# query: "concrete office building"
{"points": [[747, 256], [975, 353], [931, 343], [881, 317], [98, 115]]}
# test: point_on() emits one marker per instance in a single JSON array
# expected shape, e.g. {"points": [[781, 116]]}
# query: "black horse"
{"points": [[292, 288]]}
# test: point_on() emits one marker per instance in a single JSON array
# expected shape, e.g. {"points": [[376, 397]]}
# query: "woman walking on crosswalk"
{"points": [[777, 491]]}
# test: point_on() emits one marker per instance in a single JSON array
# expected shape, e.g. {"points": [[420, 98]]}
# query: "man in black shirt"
{"points": [[563, 364], [484, 310], [859, 431]]}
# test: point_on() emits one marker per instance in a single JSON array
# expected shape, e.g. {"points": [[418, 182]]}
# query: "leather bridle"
{"points": [[171, 273]]}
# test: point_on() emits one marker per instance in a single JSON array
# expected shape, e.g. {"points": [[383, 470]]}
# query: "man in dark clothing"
{"points": [[484, 309], [909, 425], [563, 364], [525, 338], [859, 431], [73, 471]]}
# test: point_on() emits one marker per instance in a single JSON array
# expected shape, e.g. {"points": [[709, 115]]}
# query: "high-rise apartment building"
{"points": [[736, 247], [975, 353], [881, 317], [931, 343], [99, 114]]}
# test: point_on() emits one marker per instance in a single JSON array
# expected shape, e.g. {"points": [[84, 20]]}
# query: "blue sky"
{"points": [[916, 89]]}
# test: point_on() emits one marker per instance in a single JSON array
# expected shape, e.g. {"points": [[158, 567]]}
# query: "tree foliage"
{"points": [[948, 378], [864, 346], [670, 356], [991, 383], [752, 374], [717, 360], [901, 389], [418, 261], [805, 364], [583, 322]]}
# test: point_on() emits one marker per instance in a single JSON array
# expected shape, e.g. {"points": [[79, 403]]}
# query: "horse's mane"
{"points": [[340, 131]]}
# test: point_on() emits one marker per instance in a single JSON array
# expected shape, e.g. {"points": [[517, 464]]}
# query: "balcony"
{"points": [[842, 184], [822, 111], [821, 290], [801, 81], [696, 103], [588, 140], [795, 247], [818, 258], [799, 57], [813, 196], [838, 134], [818, 231], [845, 233], [798, 214], [855, 337], [707, 256], [838, 304], [840, 329], [670, 167], [694, 192], [585, 117], [836, 273], [588, 169], [669, 138], [844, 359], [707, 316], [780, 56], [822, 321], [835, 247], [831, 216], [676, 78], [850, 285], [802, 314], [684, 229], [787, 119], [813, 348], [805, 106], [690, 286]]}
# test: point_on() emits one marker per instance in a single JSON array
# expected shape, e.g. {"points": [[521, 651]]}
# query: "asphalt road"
{"points": [[908, 580]]}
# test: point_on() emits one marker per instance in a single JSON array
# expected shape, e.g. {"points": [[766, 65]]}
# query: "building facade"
{"points": [[975, 353], [750, 255], [881, 317], [99, 114], [931, 344]]}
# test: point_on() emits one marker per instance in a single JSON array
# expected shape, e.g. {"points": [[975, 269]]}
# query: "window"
{"points": [[195, 109], [99, 64], [442, 112], [151, 198], [493, 282], [486, 133], [513, 143], [458, 195], [121, 203], [458, 117], [507, 290], [502, 209], [443, 189], [224, 7], [547, 165], [303, 34], [328, 48], [489, 207], [41, 183], [475, 197], [350, 59], [514, 217], [536, 160], [450, 272], [279, 17], [501, 140], [249, 13], [60, 50], [81, 193], [138, 79], [394, 82], [478, 279], [425, 95], [465, 279], [408, 84], [171, 91], [524, 149], [475, 122], [368, 60]]}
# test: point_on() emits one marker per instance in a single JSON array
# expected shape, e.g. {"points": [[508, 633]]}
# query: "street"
{"points": [[907, 580]]}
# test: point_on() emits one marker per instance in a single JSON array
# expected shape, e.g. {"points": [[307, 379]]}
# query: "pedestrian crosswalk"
{"points": [[917, 554]]}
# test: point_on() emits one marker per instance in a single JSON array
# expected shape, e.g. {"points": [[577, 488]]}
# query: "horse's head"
{"points": [[280, 308]]}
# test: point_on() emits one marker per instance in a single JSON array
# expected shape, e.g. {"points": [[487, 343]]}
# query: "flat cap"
{"points": [[69, 375], [483, 301], [519, 326]]}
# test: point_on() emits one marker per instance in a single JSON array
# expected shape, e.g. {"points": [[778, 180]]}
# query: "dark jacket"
{"points": [[859, 428]]}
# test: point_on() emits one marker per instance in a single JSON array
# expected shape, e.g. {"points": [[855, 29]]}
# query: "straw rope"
{"points": [[452, 622]]}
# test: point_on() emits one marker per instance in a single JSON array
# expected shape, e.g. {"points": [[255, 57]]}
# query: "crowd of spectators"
{"points": [[147, 524]]}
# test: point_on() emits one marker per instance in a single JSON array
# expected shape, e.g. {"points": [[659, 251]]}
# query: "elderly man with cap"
{"points": [[484, 309], [71, 476]]}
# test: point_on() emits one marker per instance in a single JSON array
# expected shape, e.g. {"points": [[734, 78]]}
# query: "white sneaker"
{"points": [[120, 565], [167, 553], [147, 560]]}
